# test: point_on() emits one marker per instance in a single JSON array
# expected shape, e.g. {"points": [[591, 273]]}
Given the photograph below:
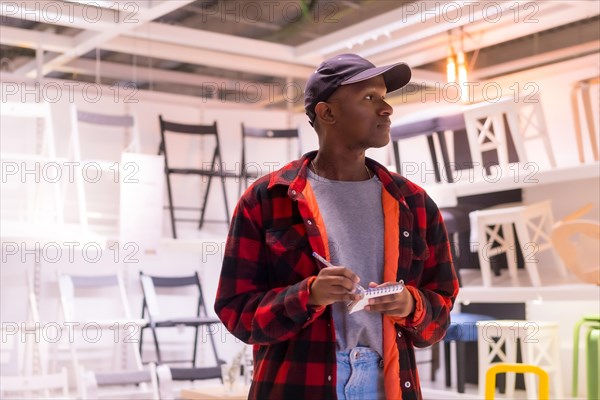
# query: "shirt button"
{"points": [[329, 378], [407, 384], [406, 234], [399, 334], [309, 222], [294, 192]]}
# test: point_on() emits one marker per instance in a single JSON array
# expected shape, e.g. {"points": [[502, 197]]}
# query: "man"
{"points": [[377, 227]]}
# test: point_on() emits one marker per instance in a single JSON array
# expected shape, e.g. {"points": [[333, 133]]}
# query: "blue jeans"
{"points": [[359, 374]]}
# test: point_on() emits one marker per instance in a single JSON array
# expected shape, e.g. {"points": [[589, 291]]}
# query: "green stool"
{"points": [[592, 323]]}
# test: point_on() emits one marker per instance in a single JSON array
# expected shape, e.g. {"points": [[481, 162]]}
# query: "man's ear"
{"points": [[324, 113]]}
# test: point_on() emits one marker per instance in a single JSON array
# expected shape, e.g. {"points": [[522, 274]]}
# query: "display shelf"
{"points": [[41, 234], [520, 177], [554, 287]]}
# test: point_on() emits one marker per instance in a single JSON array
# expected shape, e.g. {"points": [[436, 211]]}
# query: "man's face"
{"points": [[362, 116]]}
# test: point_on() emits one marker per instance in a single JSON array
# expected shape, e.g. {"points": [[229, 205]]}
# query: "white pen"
{"points": [[316, 255]]}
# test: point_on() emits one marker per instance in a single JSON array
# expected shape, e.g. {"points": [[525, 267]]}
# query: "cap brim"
{"points": [[395, 76]]}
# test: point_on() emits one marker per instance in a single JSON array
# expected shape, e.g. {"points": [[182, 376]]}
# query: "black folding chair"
{"points": [[157, 320], [215, 169], [262, 133]]}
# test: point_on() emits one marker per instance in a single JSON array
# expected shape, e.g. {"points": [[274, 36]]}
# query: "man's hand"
{"points": [[396, 304], [333, 284]]}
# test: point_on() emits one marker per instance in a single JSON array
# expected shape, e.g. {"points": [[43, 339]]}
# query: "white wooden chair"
{"points": [[104, 353], [486, 129], [577, 242], [540, 346], [492, 229], [582, 89]]}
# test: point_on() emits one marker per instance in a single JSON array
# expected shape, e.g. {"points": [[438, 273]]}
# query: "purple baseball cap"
{"points": [[345, 69]]}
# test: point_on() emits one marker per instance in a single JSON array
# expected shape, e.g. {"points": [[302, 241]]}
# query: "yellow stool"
{"points": [[490, 378]]}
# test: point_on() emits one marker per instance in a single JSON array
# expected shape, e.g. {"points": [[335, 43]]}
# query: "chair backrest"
{"points": [[490, 378], [98, 306], [74, 289], [169, 127], [577, 242], [126, 123], [155, 286], [266, 134]]}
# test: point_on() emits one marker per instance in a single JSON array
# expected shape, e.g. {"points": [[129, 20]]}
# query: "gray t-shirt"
{"points": [[353, 217]]}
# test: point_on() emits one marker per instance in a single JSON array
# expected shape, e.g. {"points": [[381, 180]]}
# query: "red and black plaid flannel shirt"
{"points": [[263, 290]]}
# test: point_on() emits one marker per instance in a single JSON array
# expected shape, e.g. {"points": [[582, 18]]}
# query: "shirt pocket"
{"points": [[418, 252]]}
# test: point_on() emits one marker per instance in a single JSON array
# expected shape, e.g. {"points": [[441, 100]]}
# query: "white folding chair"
{"points": [[26, 164], [104, 167], [24, 372], [186, 314], [104, 353]]}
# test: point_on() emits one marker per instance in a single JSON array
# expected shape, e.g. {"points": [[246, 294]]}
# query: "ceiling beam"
{"points": [[484, 34], [536, 60], [140, 95], [72, 14], [88, 40], [378, 26], [222, 43], [212, 58], [434, 19], [126, 72], [30, 39], [143, 47]]}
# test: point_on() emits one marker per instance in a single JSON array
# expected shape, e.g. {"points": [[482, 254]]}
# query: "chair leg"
{"points": [[436, 165], [140, 344], [593, 361], [171, 208], [484, 255], [511, 252], [445, 157], [461, 350], [574, 381], [447, 364], [397, 157], [195, 346], [225, 199], [203, 212], [530, 258], [435, 360], [589, 117], [165, 382], [158, 357]]}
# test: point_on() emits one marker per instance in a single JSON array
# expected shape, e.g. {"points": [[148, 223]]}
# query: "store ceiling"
{"points": [[251, 51]]}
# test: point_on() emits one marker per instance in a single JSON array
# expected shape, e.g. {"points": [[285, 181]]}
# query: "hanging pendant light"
{"points": [[462, 70], [450, 61]]}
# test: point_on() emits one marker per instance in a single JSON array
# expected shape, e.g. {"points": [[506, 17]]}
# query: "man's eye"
{"points": [[369, 97]]}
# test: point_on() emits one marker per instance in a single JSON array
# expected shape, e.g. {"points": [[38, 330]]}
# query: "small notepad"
{"points": [[358, 305]]}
